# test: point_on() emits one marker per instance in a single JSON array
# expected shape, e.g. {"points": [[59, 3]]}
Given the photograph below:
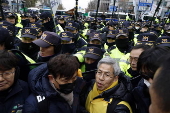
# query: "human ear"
{"points": [[51, 79]]}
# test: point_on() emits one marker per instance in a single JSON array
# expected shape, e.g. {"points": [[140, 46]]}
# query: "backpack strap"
{"points": [[43, 104], [126, 104], [111, 106]]}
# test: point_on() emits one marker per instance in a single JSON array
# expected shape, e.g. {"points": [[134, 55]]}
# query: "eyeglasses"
{"points": [[145, 76], [6, 74], [133, 59], [106, 75]]}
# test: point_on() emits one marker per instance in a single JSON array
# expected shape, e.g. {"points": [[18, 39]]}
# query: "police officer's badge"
{"points": [[145, 38], [43, 36]]}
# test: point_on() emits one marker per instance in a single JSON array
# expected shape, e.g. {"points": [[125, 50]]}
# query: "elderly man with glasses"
{"points": [[109, 92], [13, 92]]}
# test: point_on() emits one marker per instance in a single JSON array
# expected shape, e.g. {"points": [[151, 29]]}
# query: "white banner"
{"points": [[54, 5], [154, 6]]}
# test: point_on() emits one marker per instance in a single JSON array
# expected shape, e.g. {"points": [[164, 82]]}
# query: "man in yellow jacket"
{"points": [[109, 92]]}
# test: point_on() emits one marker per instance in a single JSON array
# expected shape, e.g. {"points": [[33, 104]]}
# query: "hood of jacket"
{"points": [[39, 82]]}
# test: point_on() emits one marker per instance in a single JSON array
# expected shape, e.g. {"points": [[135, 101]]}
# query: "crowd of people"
{"points": [[61, 65]]}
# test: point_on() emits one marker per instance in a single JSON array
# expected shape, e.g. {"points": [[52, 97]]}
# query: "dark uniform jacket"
{"points": [[14, 100], [40, 86], [142, 97]]}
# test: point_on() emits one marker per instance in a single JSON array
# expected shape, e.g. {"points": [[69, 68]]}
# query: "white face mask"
{"points": [[137, 27], [146, 83], [168, 32]]}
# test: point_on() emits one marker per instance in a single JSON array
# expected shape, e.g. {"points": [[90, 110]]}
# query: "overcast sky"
{"points": [[69, 4]]}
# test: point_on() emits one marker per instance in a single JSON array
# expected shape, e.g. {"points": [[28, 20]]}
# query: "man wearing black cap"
{"points": [[32, 18], [13, 19], [92, 57], [144, 28], [122, 44], [38, 27], [50, 46], [148, 38], [167, 30], [67, 41], [62, 22], [6, 41], [163, 41], [73, 27], [137, 28], [111, 37], [96, 40], [10, 17], [112, 25], [26, 46], [48, 23]]}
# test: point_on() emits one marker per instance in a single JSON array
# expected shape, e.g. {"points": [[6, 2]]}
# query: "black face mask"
{"points": [[91, 66], [168, 34], [66, 88], [122, 43], [62, 25], [110, 44], [25, 22], [68, 48], [49, 26], [131, 36], [76, 36], [94, 45], [29, 47], [158, 32]]}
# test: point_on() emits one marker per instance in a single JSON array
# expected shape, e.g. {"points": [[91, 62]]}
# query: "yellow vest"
{"points": [[116, 54], [60, 29], [124, 64]]}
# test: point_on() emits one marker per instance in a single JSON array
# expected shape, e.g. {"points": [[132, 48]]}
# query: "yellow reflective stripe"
{"points": [[19, 34], [126, 104], [79, 56], [29, 59], [84, 40]]}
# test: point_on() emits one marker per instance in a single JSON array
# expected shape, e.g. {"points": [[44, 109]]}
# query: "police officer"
{"points": [[67, 41], [122, 45], [92, 57], [26, 46], [6, 41], [48, 23], [50, 46], [73, 27]]}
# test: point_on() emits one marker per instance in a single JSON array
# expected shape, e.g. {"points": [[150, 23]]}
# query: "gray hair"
{"points": [[110, 61]]}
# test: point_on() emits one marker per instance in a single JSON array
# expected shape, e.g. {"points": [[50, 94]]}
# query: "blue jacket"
{"points": [[39, 84], [15, 99]]}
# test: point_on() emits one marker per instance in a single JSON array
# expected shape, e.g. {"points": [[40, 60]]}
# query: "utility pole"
{"points": [[17, 6], [1, 9], [76, 10], [98, 4], [113, 7]]}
